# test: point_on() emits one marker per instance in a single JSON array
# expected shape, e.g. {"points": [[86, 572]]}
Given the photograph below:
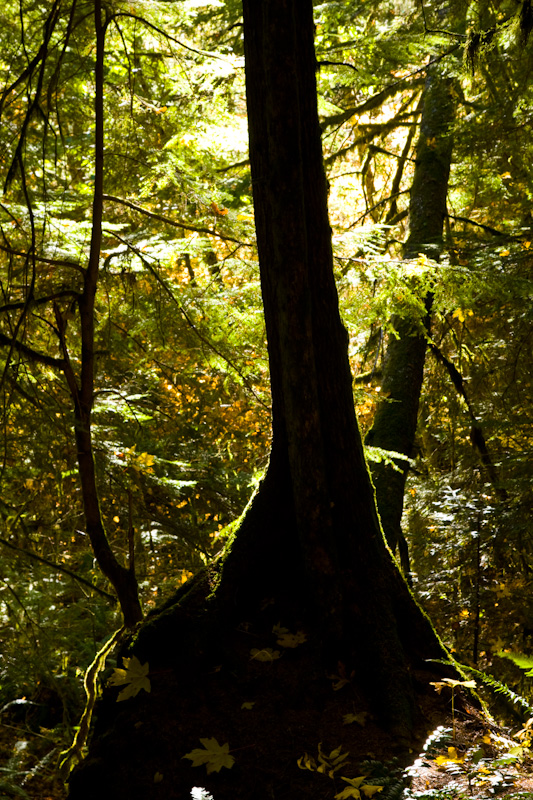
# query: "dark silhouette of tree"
{"points": [[309, 549]]}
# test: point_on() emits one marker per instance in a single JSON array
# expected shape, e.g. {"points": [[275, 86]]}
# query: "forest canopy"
{"points": [[130, 310]]}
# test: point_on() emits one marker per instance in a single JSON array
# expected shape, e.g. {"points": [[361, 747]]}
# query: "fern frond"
{"points": [[515, 700]]}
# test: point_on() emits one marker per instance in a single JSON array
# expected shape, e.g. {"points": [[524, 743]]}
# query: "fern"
{"points": [[389, 775], [515, 700], [394, 791]]}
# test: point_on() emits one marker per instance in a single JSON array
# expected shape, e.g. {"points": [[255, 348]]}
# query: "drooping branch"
{"points": [[39, 301], [29, 352], [41, 54], [476, 433], [379, 98], [54, 262], [35, 104], [487, 228], [176, 223], [58, 568], [188, 319]]}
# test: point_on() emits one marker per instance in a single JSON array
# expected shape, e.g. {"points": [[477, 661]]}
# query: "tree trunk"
{"points": [[395, 422], [350, 576]]}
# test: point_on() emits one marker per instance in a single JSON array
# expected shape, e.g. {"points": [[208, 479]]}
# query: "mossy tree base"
{"points": [[208, 682]]}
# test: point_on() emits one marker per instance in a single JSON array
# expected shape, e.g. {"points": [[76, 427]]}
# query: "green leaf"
{"points": [[522, 661]]}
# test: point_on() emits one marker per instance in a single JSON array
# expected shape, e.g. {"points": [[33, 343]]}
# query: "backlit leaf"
{"points": [[134, 677]]}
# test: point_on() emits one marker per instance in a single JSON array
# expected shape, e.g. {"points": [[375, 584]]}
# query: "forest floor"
{"points": [[466, 757], [266, 733]]}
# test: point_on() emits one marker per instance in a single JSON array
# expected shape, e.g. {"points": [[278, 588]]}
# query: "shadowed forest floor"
{"points": [[272, 733]]}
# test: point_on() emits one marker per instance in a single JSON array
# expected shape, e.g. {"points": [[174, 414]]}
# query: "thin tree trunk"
{"points": [[122, 578]]}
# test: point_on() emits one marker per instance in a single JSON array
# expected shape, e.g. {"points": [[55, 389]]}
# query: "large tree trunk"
{"points": [[350, 577], [395, 422], [309, 552]]}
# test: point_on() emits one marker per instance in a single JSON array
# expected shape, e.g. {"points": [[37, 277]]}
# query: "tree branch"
{"points": [[173, 222], [29, 352], [58, 568], [40, 300], [52, 261]]}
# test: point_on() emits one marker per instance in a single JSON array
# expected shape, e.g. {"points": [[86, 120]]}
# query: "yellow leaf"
{"points": [[288, 639], [356, 786], [453, 755], [266, 654], [360, 718], [504, 253], [347, 793], [134, 677], [307, 762], [526, 245], [214, 756], [248, 705], [369, 791]]}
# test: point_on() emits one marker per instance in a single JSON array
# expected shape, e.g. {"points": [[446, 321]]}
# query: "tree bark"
{"points": [[395, 422], [317, 466]]}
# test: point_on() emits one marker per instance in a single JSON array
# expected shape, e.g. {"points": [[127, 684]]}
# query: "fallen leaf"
{"points": [[248, 705], [266, 654], [360, 718], [213, 755], [288, 639], [134, 677]]}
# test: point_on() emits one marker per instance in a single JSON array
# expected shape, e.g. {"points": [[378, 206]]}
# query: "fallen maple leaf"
{"points": [[214, 756], [134, 677], [266, 654], [288, 639], [359, 717]]}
